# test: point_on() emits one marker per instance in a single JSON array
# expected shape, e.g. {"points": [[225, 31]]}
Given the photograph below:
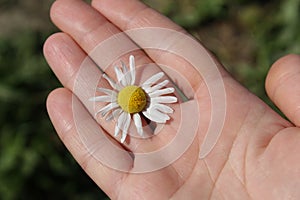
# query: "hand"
{"points": [[257, 154]]}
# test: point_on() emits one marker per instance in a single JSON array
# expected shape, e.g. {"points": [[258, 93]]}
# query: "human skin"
{"points": [[256, 156]]}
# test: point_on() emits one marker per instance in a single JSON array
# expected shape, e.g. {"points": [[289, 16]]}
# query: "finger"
{"points": [[169, 45], [71, 65], [103, 41], [176, 49], [89, 146], [130, 14], [60, 105], [63, 109], [64, 56], [86, 83], [282, 85], [90, 29]]}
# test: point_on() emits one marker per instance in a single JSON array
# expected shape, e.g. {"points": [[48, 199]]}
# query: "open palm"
{"points": [[257, 154]]}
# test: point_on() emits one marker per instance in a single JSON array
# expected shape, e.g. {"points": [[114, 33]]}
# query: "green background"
{"points": [[246, 35]]}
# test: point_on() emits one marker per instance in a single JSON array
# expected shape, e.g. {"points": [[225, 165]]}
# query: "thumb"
{"points": [[283, 86]]}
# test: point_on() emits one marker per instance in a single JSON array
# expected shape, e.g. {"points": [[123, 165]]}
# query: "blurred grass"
{"points": [[247, 36]]}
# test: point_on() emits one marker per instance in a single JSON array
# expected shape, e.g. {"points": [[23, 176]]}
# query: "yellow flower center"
{"points": [[132, 99]]}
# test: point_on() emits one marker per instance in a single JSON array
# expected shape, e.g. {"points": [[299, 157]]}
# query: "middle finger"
{"points": [[89, 29]]}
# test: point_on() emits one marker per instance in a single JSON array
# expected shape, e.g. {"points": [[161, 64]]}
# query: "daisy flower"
{"points": [[127, 101]]}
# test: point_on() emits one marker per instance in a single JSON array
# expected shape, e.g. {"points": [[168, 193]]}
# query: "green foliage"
{"points": [[189, 13], [275, 34], [33, 160], [247, 36], [8, 3]]}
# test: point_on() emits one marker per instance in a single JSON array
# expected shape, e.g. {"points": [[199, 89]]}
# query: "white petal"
{"points": [[120, 123], [127, 79], [138, 123], [117, 131], [125, 127], [103, 99], [127, 75], [156, 87], [114, 114], [161, 92], [107, 91], [153, 79], [109, 117], [119, 74], [112, 83], [124, 68], [163, 99], [124, 135], [107, 109], [156, 116], [163, 108], [132, 69]]}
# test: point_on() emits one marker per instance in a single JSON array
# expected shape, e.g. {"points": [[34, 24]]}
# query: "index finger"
{"points": [[173, 47], [132, 15], [82, 23]]}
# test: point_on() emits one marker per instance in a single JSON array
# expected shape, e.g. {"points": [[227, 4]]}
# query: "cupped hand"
{"points": [[255, 157]]}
